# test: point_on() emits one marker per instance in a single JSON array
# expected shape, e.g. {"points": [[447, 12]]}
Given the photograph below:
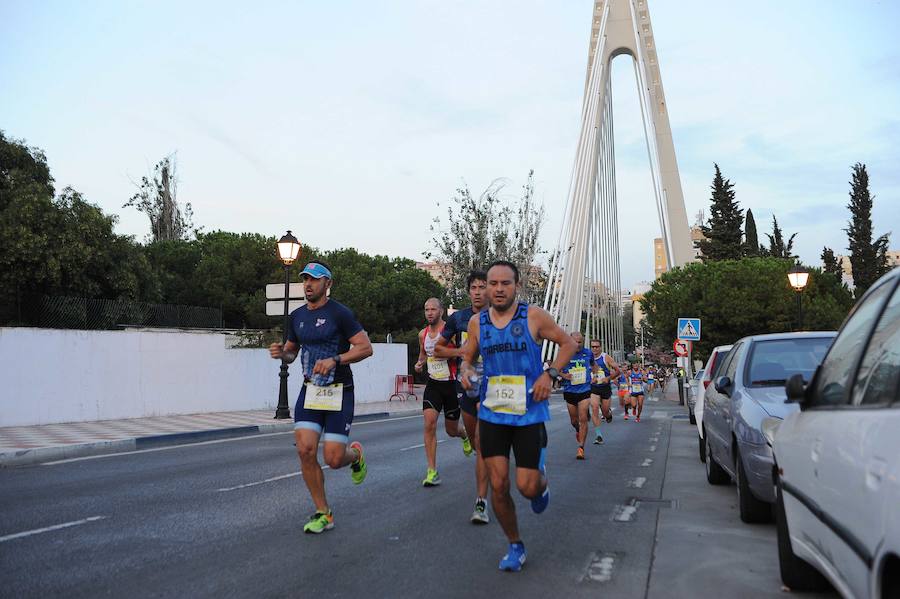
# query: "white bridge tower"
{"points": [[584, 290]]}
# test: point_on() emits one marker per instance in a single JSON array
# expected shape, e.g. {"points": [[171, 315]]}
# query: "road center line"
{"points": [[419, 445], [38, 531]]}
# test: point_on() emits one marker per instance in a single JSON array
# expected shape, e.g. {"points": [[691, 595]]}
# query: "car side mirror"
{"points": [[795, 389], [723, 385]]}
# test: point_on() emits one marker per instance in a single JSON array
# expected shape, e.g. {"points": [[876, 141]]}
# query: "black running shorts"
{"points": [[604, 390], [442, 395], [576, 398], [527, 442]]}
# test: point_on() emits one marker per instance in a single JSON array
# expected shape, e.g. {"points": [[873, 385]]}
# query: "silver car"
{"points": [[750, 389]]}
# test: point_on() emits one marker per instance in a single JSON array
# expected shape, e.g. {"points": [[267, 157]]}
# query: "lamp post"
{"points": [[798, 277], [288, 250]]}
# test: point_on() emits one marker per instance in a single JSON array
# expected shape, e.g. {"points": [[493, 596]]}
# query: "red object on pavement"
{"points": [[401, 382]]}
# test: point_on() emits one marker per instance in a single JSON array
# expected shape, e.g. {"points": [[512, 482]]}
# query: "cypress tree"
{"points": [[830, 262], [723, 234], [868, 259], [751, 239], [777, 247]]}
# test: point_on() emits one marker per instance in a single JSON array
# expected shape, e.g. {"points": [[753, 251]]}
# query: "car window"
{"points": [[773, 361], [729, 368], [720, 359], [879, 371], [834, 377]]}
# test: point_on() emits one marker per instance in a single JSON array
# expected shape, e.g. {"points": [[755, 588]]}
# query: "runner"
{"points": [[329, 339], [624, 397], [601, 389], [455, 332], [514, 396], [651, 380], [440, 391], [577, 390], [636, 379]]}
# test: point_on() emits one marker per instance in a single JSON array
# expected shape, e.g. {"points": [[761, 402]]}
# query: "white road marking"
{"points": [[653, 448], [638, 482], [600, 567], [419, 445], [658, 415], [170, 447], [260, 482], [624, 513], [38, 531], [647, 462]]}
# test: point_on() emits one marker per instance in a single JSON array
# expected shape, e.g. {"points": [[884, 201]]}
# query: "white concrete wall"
{"points": [[50, 375]]}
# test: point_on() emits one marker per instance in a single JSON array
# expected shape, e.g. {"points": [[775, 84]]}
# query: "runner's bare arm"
{"points": [[286, 352], [614, 368], [360, 349], [546, 328], [443, 350], [470, 351], [420, 361]]}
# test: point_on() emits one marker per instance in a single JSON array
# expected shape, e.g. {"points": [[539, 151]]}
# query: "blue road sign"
{"points": [[689, 329]]}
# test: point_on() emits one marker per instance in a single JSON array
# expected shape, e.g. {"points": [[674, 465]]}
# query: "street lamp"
{"points": [[288, 250], [798, 277]]}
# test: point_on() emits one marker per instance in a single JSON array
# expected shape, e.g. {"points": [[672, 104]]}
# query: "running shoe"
{"points": [[467, 446], [319, 523], [626, 416], [609, 418], [480, 516], [514, 558], [580, 454], [358, 469], [540, 503], [598, 440], [638, 419], [432, 479]]}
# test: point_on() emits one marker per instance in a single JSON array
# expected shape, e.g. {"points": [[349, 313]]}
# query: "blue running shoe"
{"points": [[540, 503], [514, 559]]}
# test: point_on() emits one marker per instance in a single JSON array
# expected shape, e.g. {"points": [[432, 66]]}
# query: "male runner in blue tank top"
{"points": [[514, 393], [328, 339], [601, 389], [455, 333], [577, 390]]}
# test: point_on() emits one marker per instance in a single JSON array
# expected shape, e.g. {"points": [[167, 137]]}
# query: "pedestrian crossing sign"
{"points": [[689, 329]]}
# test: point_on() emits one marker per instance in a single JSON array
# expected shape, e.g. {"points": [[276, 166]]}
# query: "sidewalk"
{"points": [[24, 445]]}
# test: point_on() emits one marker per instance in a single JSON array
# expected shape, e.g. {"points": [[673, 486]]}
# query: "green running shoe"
{"points": [[467, 446], [319, 523], [358, 469], [432, 479]]}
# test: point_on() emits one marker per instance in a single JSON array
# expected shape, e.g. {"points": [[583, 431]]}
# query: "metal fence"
{"points": [[61, 312]]}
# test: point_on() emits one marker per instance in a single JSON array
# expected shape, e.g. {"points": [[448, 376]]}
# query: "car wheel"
{"points": [[753, 511], [796, 573], [715, 474], [701, 442]]}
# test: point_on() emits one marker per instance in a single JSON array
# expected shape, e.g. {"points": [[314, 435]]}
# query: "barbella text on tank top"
{"points": [[513, 346]]}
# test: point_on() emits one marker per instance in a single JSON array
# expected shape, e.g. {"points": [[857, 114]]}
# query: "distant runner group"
{"points": [[484, 365]]}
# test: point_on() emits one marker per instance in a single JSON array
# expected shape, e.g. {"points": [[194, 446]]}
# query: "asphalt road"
{"points": [[225, 519]]}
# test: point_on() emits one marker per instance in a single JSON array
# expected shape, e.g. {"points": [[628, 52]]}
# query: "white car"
{"points": [[837, 461], [695, 405]]}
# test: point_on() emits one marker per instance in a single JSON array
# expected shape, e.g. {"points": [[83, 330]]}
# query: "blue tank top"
{"points": [[511, 351], [601, 362], [636, 379], [583, 358]]}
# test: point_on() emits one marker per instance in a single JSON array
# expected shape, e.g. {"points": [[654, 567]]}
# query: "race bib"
{"points": [[506, 395], [438, 369], [579, 375], [329, 398], [464, 336], [637, 389], [598, 378]]}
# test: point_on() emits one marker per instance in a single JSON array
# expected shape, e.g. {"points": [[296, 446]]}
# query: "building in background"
{"points": [[893, 260], [661, 265], [637, 292], [437, 270]]}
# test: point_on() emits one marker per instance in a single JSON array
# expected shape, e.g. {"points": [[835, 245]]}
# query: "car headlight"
{"points": [[769, 427]]}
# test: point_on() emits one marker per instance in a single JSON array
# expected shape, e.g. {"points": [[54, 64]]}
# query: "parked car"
{"points": [[713, 364], [838, 460], [750, 388], [693, 384]]}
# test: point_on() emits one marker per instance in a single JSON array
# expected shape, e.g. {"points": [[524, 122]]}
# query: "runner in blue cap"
{"points": [[328, 338]]}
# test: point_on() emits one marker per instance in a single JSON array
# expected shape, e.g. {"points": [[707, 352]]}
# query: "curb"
{"points": [[38, 455]]}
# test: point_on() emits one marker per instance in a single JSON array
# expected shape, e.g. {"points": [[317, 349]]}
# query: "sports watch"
{"points": [[554, 373]]}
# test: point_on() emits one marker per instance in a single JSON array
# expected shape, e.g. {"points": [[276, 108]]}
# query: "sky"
{"points": [[348, 122]]}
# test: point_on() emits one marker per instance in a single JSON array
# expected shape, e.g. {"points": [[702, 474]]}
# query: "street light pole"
{"points": [[288, 250], [798, 277]]}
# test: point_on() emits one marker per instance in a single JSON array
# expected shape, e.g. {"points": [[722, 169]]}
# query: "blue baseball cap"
{"points": [[316, 271]]}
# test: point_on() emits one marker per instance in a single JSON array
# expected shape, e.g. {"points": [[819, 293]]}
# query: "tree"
{"points": [[751, 239], [868, 259], [490, 227], [157, 198], [830, 262], [723, 234], [735, 298], [777, 248]]}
